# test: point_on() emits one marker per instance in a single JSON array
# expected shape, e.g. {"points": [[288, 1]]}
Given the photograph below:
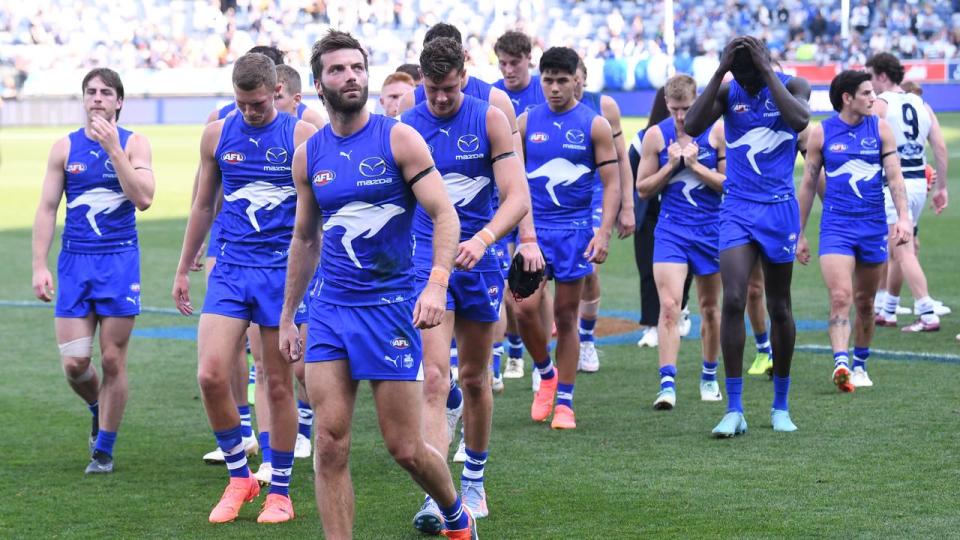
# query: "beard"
{"points": [[340, 104]]}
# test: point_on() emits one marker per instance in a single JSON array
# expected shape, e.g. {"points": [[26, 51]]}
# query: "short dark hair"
{"points": [[440, 30], [440, 57], [334, 40], [413, 70], [270, 52], [513, 43], [253, 70], [560, 59], [846, 82], [887, 64], [290, 79], [109, 77]]}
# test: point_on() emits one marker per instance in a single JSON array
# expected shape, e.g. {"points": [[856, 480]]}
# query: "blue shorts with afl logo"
{"points": [[773, 227], [859, 237], [250, 293], [378, 342], [472, 295], [107, 284], [563, 251], [697, 247]]}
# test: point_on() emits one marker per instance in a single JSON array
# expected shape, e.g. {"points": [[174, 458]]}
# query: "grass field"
{"points": [[882, 462]]}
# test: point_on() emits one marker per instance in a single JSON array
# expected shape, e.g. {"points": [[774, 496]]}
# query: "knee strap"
{"points": [[78, 348], [83, 377]]}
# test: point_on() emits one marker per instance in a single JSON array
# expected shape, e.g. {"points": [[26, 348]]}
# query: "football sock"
{"points": [[231, 444], [473, 468], [709, 371], [860, 356], [282, 463], [305, 424], [735, 394], [781, 387], [545, 367], [246, 427], [667, 375], [565, 394]]}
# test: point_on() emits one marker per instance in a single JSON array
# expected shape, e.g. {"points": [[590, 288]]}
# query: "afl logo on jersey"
{"points": [[323, 178], [838, 147], [493, 290], [400, 343], [869, 143], [276, 155], [373, 166], [232, 157], [741, 108], [76, 168], [574, 136], [539, 137], [468, 143]]}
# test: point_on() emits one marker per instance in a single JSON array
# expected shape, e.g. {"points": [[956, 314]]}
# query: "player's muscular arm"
{"points": [[407, 101], [651, 178], [940, 161], [526, 231], [132, 165], [45, 220], [709, 106], [903, 229], [792, 100], [500, 100], [812, 167], [626, 221], [305, 243], [605, 158], [313, 117]]}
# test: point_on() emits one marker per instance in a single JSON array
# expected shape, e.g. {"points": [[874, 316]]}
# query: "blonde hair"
{"points": [[680, 87], [399, 77]]}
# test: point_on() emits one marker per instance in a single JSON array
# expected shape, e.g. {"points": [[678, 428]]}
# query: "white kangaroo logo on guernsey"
{"points": [[261, 194], [859, 171], [760, 140], [100, 200], [361, 218], [560, 172], [463, 189], [690, 183]]}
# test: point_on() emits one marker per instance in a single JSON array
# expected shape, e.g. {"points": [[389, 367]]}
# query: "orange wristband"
{"points": [[439, 276], [486, 237]]}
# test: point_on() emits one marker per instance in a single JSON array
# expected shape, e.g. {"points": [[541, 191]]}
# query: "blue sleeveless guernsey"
{"points": [[526, 99], [851, 160], [367, 210], [560, 165], [474, 88], [100, 218], [256, 221], [592, 100], [761, 147], [232, 106], [686, 200], [461, 151]]}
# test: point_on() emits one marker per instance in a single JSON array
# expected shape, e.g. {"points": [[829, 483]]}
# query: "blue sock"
{"points": [[667, 375], [763, 343], [253, 375], [545, 367], [497, 354], [282, 463], [586, 329], [841, 358], [454, 518], [265, 446], [246, 427], [514, 346], [709, 371], [455, 397], [105, 440], [781, 387], [94, 408], [454, 356], [473, 468], [305, 425], [565, 394], [860, 356], [734, 394], [231, 444]]}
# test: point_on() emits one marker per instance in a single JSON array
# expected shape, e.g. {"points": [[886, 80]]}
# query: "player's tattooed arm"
{"points": [[890, 160], [812, 166], [45, 220]]}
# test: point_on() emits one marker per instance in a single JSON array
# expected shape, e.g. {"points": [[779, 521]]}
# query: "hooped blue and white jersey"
{"points": [[761, 147], [686, 200], [526, 99], [232, 106], [851, 160], [560, 164], [461, 152], [259, 198], [100, 218], [474, 88], [367, 210]]}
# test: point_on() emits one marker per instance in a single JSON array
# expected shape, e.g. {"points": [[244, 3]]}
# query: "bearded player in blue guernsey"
{"points": [[763, 111], [105, 173], [856, 148], [360, 179], [251, 151], [472, 146], [564, 143]]}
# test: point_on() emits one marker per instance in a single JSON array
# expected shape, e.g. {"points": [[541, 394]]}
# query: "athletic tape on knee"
{"points": [[78, 348], [83, 377], [590, 308]]}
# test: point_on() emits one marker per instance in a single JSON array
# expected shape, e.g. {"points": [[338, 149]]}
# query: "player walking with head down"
{"points": [[105, 173], [763, 111], [361, 178]]}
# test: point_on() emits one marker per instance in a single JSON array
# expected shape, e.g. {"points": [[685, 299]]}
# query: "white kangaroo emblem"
{"points": [[690, 183], [100, 200], [859, 171], [760, 140], [361, 218], [560, 172], [261, 194], [463, 189]]}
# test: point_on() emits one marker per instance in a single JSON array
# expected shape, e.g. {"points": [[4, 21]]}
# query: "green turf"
{"points": [[882, 462]]}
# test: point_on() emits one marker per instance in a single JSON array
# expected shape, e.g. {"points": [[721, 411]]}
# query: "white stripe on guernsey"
{"points": [[665, 378], [564, 395]]}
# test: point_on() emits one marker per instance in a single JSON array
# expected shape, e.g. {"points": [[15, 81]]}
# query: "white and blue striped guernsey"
{"points": [[686, 200], [100, 218], [259, 199], [761, 147], [367, 210], [911, 123], [851, 160], [461, 152]]}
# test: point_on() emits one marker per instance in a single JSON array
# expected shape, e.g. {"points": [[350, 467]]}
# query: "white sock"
{"points": [[879, 299], [890, 308]]}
